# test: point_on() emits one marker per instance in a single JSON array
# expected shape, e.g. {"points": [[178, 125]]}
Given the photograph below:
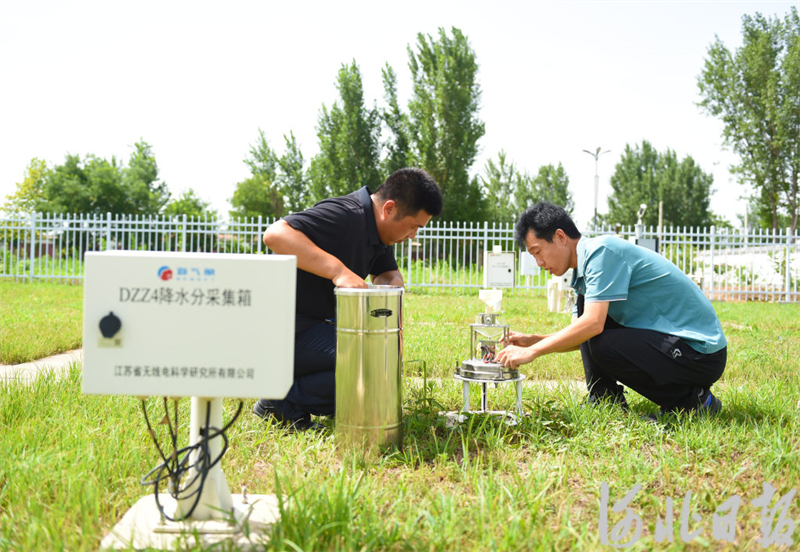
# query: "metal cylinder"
{"points": [[369, 360]]}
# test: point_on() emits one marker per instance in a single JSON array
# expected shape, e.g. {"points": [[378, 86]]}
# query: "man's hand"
{"points": [[513, 356], [346, 278], [521, 339], [283, 239], [389, 278]]}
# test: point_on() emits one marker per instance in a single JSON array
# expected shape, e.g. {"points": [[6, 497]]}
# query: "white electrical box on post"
{"points": [[197, 325], [560, 295], [498, 268]]}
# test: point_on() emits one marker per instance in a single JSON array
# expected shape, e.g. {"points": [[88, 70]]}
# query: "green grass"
{"points": [[39, 320], [71, 463]]}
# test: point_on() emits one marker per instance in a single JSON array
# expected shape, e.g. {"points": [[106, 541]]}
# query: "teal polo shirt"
{"points": [[646, 291]]}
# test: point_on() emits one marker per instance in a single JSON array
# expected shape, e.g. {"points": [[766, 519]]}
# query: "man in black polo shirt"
{"points": [[338, 242]]}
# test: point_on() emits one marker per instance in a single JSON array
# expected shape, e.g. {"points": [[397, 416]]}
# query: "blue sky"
{"points": [[198, 79]]}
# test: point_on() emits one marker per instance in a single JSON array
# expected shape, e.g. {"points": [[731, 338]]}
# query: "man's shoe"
{"points": [[709, 404], [264, 410], [652, 418]]}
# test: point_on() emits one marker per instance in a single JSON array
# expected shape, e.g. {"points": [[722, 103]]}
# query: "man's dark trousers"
{"points": [[314, 387], [661, 367]]}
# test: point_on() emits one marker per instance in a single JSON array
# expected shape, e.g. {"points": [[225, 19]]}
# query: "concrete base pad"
{"points": [[143, 527]]}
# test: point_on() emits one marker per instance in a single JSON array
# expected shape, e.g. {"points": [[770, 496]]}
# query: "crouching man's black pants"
{"points": [[661, 367]]}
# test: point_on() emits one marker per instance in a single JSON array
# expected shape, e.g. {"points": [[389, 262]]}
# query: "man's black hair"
{"points": [[544, 219], [412, 189]]}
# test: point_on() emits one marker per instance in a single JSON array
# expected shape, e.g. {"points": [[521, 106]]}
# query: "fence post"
{"points": [[713, 240], [260, 233], [788, 250], [485, 238], [408, 262], [108, 231], [32, 253], [183, 235]]}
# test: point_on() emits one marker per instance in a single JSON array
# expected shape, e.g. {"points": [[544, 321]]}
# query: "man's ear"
{"points": [[389, 208]]}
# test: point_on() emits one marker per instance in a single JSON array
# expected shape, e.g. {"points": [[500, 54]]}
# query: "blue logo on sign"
{"points": [[165, 273]]}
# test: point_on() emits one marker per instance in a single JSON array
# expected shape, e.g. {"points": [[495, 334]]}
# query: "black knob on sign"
{"points": [[110, 325]]}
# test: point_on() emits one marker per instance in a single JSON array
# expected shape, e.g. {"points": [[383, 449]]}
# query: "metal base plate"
{"points": [[143, 527], [477, 369], [453, 418]]}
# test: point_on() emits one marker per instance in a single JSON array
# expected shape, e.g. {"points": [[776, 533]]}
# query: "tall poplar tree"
{"points": [[292, 179], [443, 113], [755, 91], [349, 135], [397, 146]]}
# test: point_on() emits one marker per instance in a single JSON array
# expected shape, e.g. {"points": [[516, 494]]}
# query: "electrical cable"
{"points": [[175, 468]]}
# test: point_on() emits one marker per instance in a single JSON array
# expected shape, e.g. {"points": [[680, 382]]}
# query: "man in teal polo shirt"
{"points": [[641, 321]]}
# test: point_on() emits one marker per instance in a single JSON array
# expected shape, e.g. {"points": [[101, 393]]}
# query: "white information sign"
{"points": [[188, 324], [499, 269]]}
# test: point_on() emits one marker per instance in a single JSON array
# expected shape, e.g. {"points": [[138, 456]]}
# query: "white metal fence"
{"points": [[727, 264]]}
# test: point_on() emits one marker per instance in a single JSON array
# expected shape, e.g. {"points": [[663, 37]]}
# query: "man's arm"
{"points": [[523, 340], [388, 278], [566, 339], [285, 240]]}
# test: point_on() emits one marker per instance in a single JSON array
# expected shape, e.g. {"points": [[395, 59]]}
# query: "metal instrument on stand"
{"points": [[486, 334]]}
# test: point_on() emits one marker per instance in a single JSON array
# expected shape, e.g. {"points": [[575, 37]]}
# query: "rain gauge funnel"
{"points": [[487, 334]]}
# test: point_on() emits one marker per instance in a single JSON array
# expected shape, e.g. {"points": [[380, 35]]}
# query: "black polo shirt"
{"points": [[344, 227]]}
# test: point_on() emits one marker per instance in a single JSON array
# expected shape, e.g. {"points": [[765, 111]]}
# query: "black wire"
{"points": [[174, 469]]}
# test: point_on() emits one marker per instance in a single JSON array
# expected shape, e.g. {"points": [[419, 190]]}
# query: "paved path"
{"points": [[25, 373]]}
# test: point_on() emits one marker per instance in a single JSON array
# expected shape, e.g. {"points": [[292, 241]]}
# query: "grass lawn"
{"points": [[71, 463], [38, 320]]}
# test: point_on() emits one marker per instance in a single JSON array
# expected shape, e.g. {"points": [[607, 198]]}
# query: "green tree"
{"points": [[262, 159], [755, 91], [754, 218], [97, 186], [500, 183], [550, 184], [398, 145], [443, 113], [30, 192], [191, 205], [349, 145], [634, 182], [92, 186], [685, 190], [292, 179], [254, 197], [277, 184], [644, 176], [146, 194]]}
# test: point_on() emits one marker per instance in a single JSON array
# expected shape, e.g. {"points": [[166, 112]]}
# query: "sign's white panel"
{"points": [[188, 324], [499, 270], [527, 264]]}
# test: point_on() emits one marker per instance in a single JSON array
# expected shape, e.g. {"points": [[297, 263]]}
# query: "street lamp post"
{"points": [[596, 156]]}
